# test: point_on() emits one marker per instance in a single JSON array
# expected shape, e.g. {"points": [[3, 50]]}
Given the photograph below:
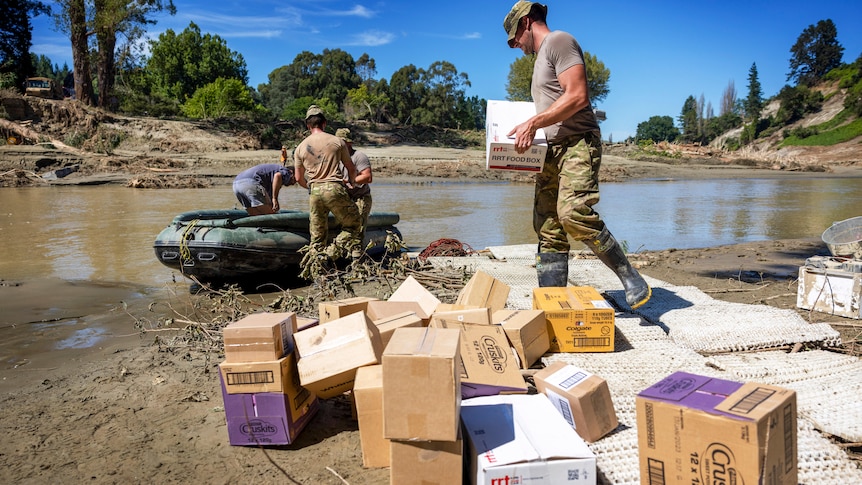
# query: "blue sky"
{"points": [[658, 52]]}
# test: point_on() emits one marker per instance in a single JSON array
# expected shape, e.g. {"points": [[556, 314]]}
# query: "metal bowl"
{"points": [[844, 238]]}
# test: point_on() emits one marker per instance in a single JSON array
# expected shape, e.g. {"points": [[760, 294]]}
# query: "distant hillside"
{"points": [[769, 149]]}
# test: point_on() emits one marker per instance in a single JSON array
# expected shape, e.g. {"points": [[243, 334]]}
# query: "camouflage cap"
{"points": [[344, 134], [313, 110], [513, 18]]}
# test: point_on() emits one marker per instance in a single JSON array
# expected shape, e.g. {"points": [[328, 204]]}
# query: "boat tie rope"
{"points": [[185, 252]]}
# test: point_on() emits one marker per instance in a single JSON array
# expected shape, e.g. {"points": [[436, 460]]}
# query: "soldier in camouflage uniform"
{"points": [[567, 188], [318, 161], [359, 191]]}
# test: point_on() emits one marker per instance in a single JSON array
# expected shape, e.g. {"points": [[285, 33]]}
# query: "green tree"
{"points": [[598, 78], [853, 100], [180, 64], [366, 68], [442, 104], [796, 102], [406, 92], [657, 128], [119, 17], [688, 120], [815, 53], [16, 38], [296, 109], [521, 76], [367, 102], [331, 74], [103, 20], [754, 101], [721, 124], [223, 97]]}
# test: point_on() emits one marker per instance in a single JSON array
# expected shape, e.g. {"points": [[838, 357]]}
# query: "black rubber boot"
{"points": [[605, 246], [552, 269]]}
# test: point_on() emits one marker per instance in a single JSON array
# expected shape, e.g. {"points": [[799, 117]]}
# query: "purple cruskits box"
{"points": [[267, 418], [700, 429]]}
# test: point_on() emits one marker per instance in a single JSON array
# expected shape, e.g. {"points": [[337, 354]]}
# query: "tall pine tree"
{"points": [[754, 102]]}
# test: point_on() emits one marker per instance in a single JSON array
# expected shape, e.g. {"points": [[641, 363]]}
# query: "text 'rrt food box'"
{"points": [[502, 117]]}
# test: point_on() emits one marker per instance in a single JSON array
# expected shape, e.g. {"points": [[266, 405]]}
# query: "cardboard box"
{"points": [[697, 429], [329, 354], [259, 337], [269, 418], [379, 310], [522, 439], [830, 286], [368, 396], [488, 365], [427, 462], [579, 319], [421, 385], [478, 316], [527, 331], [412, 290], [254, 377], [387, 325], [483, 290], [501, 118], [335, 309], [451, 307], [304, 322], [583, 399]]}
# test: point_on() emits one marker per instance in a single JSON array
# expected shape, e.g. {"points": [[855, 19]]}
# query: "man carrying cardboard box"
{"points": [[568, 185]]}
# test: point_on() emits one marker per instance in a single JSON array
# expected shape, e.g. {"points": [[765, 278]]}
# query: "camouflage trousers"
{"points": [[326, 197], [567, 188], [364, 205]]}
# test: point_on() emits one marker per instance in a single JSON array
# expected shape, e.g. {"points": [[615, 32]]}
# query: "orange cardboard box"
{"points": [[579, 319]]}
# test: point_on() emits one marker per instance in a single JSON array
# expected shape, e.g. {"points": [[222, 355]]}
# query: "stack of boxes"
{"points": [[440, 396], [422, 405], [264, 402]]}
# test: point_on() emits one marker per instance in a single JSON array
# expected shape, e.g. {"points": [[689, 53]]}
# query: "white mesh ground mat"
{"points": [[678, 330], [827, 385], [692, 318]]}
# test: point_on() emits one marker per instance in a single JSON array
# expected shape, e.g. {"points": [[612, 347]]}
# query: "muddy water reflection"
{"points": [[106, 233]]}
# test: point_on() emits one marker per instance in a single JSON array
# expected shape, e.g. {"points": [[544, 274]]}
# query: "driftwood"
{"points": [[28, 134]]}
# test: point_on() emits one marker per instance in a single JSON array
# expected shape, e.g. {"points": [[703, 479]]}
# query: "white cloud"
{"points": [[359, 11], [372, 38]]}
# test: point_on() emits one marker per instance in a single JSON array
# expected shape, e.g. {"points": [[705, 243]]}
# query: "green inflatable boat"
{"points": [[226, 246]]}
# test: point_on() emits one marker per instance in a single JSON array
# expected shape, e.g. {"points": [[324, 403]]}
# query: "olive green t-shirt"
{"points": [[559, 51]]}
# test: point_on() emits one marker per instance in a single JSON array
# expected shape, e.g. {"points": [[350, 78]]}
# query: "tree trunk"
{"points": [[80, 52], [106, 38], [105, 69]]}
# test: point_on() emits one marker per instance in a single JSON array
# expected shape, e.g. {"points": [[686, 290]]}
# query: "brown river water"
{"points": [[71, 255]]}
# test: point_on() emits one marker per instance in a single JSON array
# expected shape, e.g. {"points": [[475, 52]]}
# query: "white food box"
{"points": [[830, 286], [502, 117], [521, 438]]}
